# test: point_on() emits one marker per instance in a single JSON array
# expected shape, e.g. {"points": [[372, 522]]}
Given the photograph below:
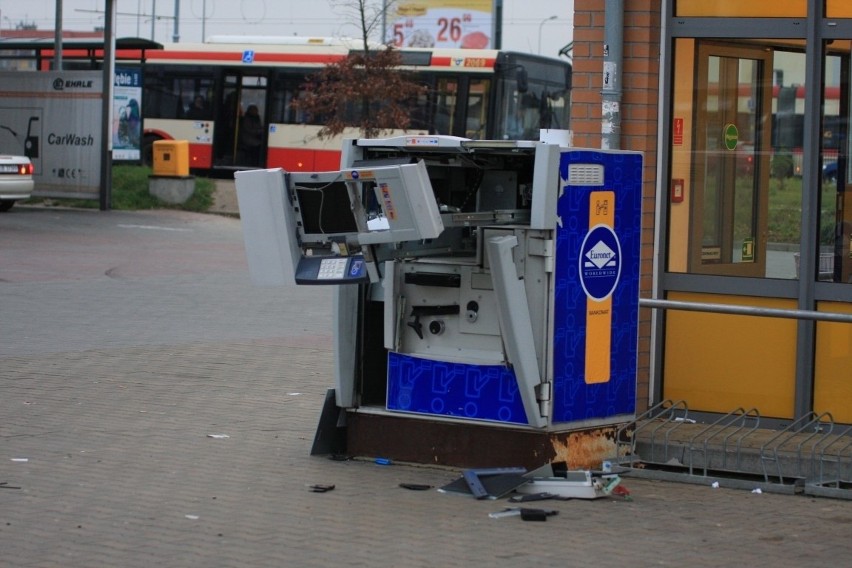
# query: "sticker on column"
{"points": [[600, 269]]}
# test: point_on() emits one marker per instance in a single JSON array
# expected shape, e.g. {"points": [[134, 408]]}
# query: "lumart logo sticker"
{"points": [[600, 262]]}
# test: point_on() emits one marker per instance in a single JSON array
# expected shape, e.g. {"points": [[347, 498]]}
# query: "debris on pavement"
{"points": [[622, 491], [490, 483], [525, 513], [218, 436], [557, 480], [415, 486], [536, 497], [320, 488]]}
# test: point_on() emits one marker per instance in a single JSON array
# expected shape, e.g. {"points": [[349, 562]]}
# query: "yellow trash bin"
{"points": [[171, 158]]}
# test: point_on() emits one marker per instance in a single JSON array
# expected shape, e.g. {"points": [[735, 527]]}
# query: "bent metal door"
{"points": [[733, 107]]}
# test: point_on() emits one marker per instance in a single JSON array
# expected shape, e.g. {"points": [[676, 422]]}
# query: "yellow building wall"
{"points": [[833, 365], [838, 9], [720, 362], [740, 9]]}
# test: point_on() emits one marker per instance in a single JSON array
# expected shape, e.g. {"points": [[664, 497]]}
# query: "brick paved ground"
{"points": [[127, 339]]}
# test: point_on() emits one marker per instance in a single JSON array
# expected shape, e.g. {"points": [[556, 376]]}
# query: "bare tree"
{"points": [[367, 16], [367, 89]]}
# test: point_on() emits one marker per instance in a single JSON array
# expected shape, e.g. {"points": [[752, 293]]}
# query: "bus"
{"points": [[203, 93]]}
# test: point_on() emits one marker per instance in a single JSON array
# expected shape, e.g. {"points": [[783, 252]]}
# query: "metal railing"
{"points": [[743, 310]]}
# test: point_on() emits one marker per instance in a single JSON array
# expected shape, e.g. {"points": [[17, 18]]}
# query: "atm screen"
{"points": [[325, 208]]}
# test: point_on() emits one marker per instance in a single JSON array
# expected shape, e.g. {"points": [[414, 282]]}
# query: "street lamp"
{"points": [[539, 31]]}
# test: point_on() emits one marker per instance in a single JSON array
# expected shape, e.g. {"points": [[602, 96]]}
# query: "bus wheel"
{"points": [[148, 150]]}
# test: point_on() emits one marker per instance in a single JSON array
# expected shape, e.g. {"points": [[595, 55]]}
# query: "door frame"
{"points": [[760, 155]]}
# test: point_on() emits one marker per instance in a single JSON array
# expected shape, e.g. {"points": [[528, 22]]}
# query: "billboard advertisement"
{"points": [[441, 23], [127, 114], [54, 118]]}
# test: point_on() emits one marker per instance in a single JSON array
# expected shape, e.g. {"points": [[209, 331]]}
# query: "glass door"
{"points": [[241, 123], [730, 168]]}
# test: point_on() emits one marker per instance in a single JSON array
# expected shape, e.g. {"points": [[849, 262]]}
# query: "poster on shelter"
{"points": [[467, 24], [127, 114], [54, 118]]}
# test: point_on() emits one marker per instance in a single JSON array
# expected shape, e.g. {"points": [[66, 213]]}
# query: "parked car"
{"points": [[16, 180], [829, 172]]}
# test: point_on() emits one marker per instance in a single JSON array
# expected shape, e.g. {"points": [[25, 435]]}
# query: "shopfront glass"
{"points": [[835, 228], [736, 187], [758, 207]]}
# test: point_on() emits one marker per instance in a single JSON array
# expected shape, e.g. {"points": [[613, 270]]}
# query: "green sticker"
{"points": [[730, 136]]}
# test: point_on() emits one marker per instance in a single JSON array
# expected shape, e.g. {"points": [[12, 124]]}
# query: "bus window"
{"points": [[161, 99], [419, 114], [172, 94], [477, 108], [446, 92], [285, 90]]}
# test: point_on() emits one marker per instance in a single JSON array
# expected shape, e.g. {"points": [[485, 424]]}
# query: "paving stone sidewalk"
{"points": [[156, 409]]}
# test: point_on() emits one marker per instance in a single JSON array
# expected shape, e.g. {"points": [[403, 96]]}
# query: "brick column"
{"points": [[639, 119]]}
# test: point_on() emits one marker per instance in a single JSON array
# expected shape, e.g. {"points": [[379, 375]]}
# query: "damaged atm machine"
{"points": [[485, 294]]}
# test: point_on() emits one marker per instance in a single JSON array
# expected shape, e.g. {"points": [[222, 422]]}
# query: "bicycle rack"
{"points": [[795, 431], [667, 415], [806, 456], [738, 424], [839, 480]]}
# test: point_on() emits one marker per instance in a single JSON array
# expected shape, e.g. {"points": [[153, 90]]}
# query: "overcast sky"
{"points": [[522, 19]]}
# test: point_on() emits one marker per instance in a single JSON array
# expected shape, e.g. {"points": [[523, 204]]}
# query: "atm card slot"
{"points": [[437, 279]]}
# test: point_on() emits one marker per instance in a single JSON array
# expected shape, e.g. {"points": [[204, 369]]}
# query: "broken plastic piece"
{"points": [[577, 484], [415, 486], [218, 436], [531, 497], [509, 512], [524, 513], [537, 514], [320, 488]]}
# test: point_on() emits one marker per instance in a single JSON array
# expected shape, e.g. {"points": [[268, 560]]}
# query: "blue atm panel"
{"points": [[460, 390], [596, 286]]}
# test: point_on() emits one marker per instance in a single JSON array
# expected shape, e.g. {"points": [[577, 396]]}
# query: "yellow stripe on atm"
{"points": [[599, 312]]}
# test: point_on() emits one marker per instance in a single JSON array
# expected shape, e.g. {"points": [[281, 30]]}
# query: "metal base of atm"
{"points": [[404, 439]]}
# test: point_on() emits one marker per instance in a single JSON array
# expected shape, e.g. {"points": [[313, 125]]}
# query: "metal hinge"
{"points": [[542, 394], [542, 248]]}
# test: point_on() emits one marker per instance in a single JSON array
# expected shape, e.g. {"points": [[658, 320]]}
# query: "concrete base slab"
{"points": [[171, 189]]}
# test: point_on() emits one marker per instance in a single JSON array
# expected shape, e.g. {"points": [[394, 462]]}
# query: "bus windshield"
{"points": [[531, 97]]}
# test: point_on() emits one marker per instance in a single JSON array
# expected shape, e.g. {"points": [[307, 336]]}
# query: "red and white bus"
{"points": [[199, 92]]}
